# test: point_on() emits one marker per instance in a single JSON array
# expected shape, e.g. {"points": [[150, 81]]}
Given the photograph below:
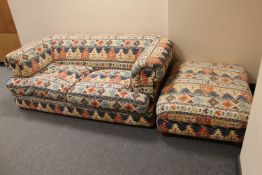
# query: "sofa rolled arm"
{"points": [[149, 70], [30, 58]]}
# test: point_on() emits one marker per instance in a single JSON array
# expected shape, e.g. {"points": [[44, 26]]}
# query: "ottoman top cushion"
{"points": [[206, 93]]}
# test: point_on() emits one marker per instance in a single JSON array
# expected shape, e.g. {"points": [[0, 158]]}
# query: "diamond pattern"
{"points": [[122, 77], [213, 102], [205, 100]]}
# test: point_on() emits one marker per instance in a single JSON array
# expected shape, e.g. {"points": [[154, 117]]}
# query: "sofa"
{"points": [[205, 100], [113, 78]]}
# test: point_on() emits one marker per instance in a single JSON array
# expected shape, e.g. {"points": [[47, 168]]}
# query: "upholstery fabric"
{"points": [[109, 77], [106, 89], [100, 51], [53, 82], [105, 76], [201, 131], [68, 109], [146, 56], [208, 94], [148, 71], [31, 58]]}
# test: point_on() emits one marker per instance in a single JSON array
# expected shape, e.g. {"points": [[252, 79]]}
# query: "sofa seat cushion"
{"points": [[52, 83], [209, 94], [109, 93], [109, 77]]}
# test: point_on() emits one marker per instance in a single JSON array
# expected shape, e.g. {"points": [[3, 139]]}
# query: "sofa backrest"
{"points": [[99, 51]]}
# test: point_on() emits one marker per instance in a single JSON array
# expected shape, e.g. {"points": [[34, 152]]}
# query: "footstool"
{"points": [[205, 100]]}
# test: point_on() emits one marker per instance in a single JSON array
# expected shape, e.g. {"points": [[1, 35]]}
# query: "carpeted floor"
{"points": [[40, 143]]}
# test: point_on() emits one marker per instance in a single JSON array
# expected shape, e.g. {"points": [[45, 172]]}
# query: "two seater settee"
{"points": [[114, 78]]}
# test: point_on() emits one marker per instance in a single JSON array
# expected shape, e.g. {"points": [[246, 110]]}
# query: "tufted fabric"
{"points": [[53, 82], [215, 95], [105, 89]]}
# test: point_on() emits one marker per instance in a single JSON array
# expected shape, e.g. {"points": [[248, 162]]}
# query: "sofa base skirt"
{"points": [[68, 109], [201, 131]]}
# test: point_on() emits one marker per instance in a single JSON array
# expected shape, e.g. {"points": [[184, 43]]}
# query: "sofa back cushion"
{"points": [[99, 51]]}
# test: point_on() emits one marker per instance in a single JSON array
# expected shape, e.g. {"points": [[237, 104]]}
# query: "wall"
{"points": [[227, 31], [38, 18], [251, 153]]}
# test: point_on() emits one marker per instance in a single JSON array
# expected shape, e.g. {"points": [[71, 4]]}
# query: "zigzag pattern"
{"points": [[215, 96], [64, 108], [201, 131]]}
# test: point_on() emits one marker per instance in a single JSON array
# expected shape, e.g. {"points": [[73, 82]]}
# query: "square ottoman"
{"points": [[205, 100]]}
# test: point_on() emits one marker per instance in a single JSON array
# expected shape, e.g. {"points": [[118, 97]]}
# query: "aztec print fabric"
{"points": [[53, 82], [31, 58], [59, 107], [110, 77], [106, 89], [100, 51], [118, 74], [215, 95], [146, 56], [201, 131], [149, 70]]}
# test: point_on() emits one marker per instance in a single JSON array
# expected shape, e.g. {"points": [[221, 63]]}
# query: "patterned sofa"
{"points": [[205, 100], [114, 78]]}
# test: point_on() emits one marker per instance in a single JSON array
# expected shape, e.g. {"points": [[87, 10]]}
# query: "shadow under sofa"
{"points": [[114, 78]]}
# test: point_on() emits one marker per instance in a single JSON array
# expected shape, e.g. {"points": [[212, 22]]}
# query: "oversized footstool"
{"points": [[205, 100]]}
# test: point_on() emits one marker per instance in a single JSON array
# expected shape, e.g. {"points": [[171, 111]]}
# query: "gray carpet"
{"points": [[33, 142]]}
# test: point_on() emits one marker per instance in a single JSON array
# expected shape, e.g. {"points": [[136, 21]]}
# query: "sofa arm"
{"points": [[149, 70], [30, 58]]}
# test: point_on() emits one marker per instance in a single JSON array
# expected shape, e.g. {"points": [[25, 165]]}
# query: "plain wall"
{"points": [[227, 31], [35, 19], [251, 153]]}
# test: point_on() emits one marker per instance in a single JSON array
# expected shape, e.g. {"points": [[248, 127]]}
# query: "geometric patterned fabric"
{"points": [[147, 57], [53, 82], [200, 96], [102, 77]]}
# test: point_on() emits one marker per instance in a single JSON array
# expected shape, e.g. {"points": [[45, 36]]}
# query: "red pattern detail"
{"points": [[85, 54], [95, 103], [62, 53], [129, 107], [123, 93], [35, 66], [144, 79], [202, 132], [203, 120], [21, 92], [85, 114], [111, 54]]}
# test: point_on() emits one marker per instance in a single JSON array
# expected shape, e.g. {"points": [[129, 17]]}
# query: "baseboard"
{"points": [[2, 64], [238, 166]]}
